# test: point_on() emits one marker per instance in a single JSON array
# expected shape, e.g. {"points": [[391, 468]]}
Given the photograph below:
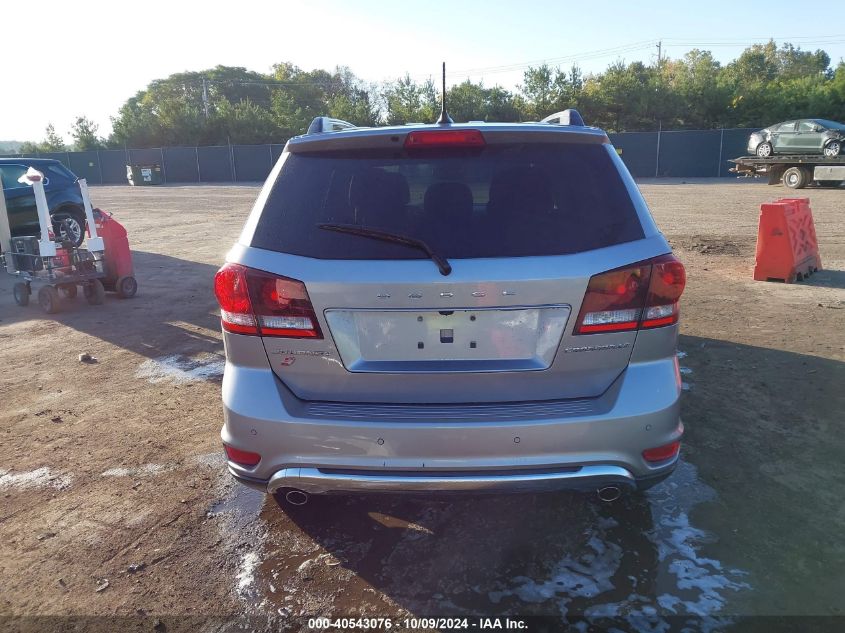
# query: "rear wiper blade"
{"points": [[376, 234]]}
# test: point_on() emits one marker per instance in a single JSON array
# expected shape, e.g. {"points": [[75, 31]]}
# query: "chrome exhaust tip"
{"points": [[296, 497], [609, 493]]}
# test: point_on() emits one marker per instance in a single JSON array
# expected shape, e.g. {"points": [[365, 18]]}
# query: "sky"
{"points": [[87, 57]]}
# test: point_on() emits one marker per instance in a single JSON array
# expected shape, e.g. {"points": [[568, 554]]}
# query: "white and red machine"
{"points": [[105, 263]]}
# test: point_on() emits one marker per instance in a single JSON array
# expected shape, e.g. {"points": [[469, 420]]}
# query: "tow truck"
{"points": [[795, 171]]}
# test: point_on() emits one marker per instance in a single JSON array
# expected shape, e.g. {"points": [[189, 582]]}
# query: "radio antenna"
{"points": [[444, 119]]}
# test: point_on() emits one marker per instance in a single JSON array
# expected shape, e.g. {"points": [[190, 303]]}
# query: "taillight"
{"points": [[662, 453], [230, 288], [261, 303], [668, 279], [444, 138], [244, 458], [643, 295]]}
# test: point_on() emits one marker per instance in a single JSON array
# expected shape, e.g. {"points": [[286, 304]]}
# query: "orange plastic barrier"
{"points": [[787, 248]]}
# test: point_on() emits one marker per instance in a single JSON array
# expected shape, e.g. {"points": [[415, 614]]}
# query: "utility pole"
{"points": [[204, 98], [659, 52]]}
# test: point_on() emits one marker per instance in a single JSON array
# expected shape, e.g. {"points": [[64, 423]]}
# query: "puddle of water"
{"points": [[686, 582], [39, 478], [638, 561], [179, 369], [241, 503], [237, 514]]}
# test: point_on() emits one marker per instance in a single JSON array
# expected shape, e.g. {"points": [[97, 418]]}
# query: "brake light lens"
{"points": [[668, 279], [641, 296], [263, 304], [244, 458], [444, 138], [662, 453]]}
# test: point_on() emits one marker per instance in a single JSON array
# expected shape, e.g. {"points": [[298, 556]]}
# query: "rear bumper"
{"points": [[587, 478], [335, 447], [316, 481]]}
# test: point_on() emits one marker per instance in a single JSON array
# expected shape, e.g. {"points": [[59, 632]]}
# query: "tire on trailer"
{"points": [[21, 293], [48, 299], [126, 287], [795, 178], [95, 293]]}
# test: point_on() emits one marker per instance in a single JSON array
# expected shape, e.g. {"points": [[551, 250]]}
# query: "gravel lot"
{"points": [[115, 501]]}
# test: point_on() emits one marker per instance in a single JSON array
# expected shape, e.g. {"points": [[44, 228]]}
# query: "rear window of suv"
{"points": [[500, 201]]}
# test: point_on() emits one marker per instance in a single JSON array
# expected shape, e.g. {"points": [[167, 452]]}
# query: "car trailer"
{"points": [[59, 265], [795, 171]]}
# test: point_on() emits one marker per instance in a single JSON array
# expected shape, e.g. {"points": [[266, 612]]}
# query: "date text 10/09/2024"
{"points": [[465, 624]]}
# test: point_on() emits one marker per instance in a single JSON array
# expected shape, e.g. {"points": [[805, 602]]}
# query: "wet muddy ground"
{"points": [[115, 503]]}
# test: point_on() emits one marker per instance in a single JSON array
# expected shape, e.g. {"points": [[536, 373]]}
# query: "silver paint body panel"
{"points": [[365, 408]]}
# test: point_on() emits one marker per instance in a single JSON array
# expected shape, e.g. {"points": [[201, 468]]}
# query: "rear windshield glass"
{"points": [[500, 201]]}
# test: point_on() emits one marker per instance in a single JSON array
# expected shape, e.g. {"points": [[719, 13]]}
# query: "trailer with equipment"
{"points": [[795, 171], [59, 266]]}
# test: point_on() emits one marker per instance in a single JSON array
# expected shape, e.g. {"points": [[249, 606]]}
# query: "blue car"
{"points": [[63, 198]]}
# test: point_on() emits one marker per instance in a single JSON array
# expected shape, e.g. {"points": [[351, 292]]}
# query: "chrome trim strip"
{"points": [[315, 481]]}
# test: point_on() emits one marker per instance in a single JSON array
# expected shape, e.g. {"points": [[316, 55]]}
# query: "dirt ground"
{"points": [[115, 501]]}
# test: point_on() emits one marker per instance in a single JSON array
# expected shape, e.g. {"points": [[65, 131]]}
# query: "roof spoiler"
{"points": [[570, 116], [326, 124]]}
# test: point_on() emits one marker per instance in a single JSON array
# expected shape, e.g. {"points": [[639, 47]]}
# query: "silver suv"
{"points": [[450, 307]]}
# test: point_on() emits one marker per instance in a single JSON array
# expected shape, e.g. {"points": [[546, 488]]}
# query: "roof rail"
{"points": [[570, 116], [327, 124]]}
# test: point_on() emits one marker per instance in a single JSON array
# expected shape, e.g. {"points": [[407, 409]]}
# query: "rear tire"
{"points": [[764, 150], [95, 293], [795, 178], [48, 299], [21, 292], [126, 287]]}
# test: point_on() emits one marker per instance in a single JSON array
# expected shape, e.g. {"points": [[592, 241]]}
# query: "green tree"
{"points": [[52, 142], [764, 84], [351, 100], [183, 109], [548, 90], [539, 89], [84, 134], [246, 123], [406, 101], [694, 79]]}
